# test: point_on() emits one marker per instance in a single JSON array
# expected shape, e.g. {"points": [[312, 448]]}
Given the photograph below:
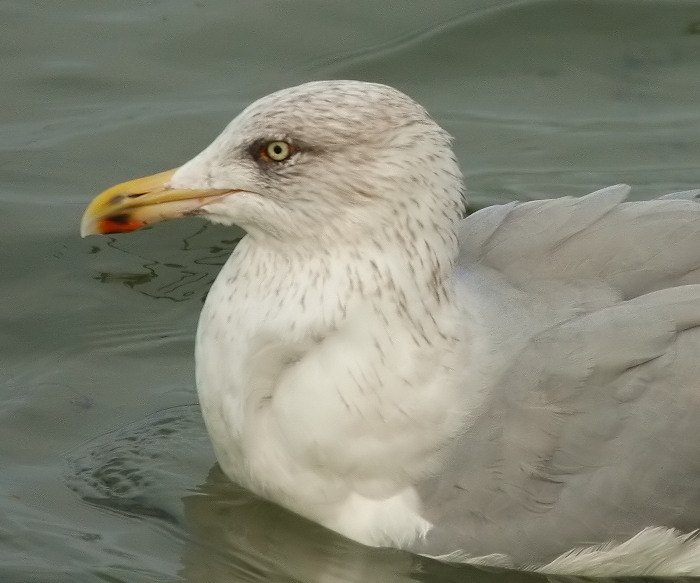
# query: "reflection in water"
{"points": [[239, 537], [199, 257]]}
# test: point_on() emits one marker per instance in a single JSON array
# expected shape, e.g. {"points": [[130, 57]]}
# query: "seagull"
{"points": [[520, 383]]}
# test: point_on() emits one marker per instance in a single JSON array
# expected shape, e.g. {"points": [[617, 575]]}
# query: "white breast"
{"points": [[327, 398]]}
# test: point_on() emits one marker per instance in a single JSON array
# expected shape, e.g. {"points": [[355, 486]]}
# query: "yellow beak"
{"points": [[131, 205]]}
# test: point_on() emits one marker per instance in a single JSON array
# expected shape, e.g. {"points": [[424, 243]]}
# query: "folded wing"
{"points": [[591, 308]]}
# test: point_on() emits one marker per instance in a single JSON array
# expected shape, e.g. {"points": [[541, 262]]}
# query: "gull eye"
{"points": [[277, 151]]}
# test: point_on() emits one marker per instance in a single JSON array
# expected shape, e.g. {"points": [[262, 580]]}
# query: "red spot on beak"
{"points": [[119, 224]]}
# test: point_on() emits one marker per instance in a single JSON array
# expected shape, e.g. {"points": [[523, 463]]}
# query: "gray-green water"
{"points": [[105, 464]]}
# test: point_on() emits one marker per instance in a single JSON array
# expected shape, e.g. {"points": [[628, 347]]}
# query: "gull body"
{"points": [[521, 382]]}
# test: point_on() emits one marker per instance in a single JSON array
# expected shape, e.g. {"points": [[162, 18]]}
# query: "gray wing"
{"points": [[592, 430], [634, 247]]}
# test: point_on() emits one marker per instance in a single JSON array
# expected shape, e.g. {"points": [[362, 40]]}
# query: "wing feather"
{"points": [[635, 247], [592, 307]]}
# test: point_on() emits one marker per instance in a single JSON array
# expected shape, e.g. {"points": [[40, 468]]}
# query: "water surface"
{"points": [[107, 474]]}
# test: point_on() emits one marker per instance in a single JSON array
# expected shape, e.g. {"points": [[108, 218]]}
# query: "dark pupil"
{"points": [[277, 149]]}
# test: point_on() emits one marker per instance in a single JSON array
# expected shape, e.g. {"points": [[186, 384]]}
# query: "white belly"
{"points": [[327, 425]]}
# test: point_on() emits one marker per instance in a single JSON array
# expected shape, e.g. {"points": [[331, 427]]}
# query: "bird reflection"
{"points": [[235, 536], [181, 277]]}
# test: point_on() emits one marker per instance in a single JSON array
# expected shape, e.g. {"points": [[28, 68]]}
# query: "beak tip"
{"points": [[86, 227]]}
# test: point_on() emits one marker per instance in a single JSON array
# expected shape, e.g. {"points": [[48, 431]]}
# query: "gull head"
{"points": [[322, 162]]}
